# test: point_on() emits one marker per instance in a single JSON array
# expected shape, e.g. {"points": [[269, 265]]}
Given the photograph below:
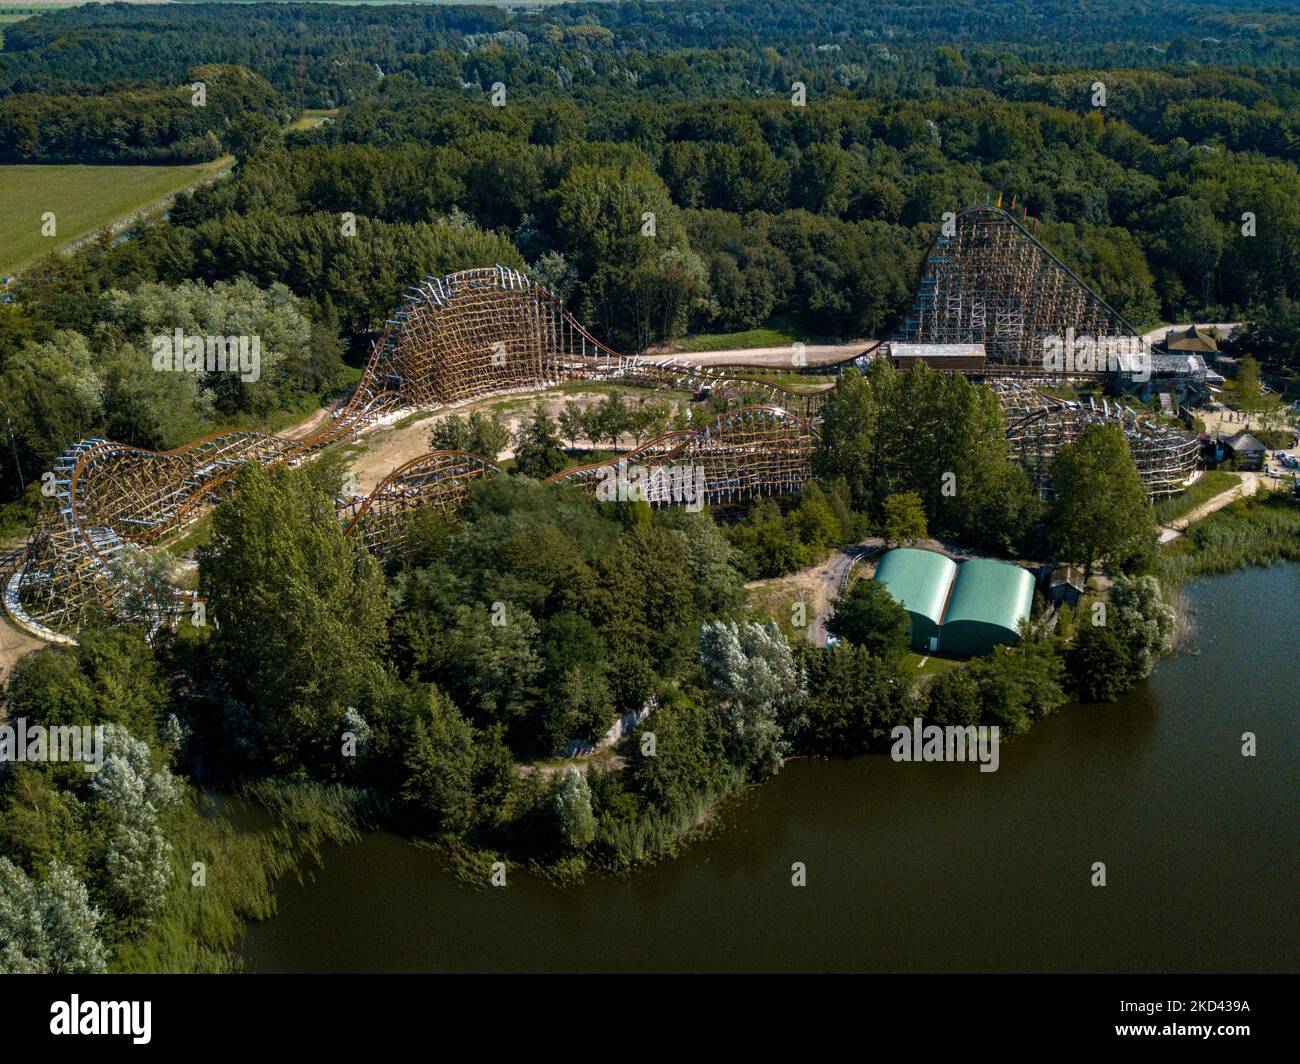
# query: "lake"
{"points": [[917, 867]]}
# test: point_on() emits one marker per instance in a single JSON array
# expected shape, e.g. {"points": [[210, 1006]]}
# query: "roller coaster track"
{"points": [[991, 282], [468, 336], [740, 454], [437, 482], [1038, 425], [487, 332]]}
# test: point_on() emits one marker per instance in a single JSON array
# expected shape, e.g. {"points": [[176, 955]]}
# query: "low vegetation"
{"points": [[1208, 485]]}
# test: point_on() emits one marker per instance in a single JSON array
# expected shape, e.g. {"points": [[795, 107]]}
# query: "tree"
{"points": [[538, 453], [1273, 334], [620, 229], [868, 616], [1099, 664], [1019, 684], [110, 677], [581, 707], [815, 521], [690, 756], [937, 435], [299, 610], [478, 434], [1251, 396], [573, 423], [953, 698], [854, 699], [1145, 622], [573, 810], [1099, 507], [553, 273], [753, 672], [137, 797], [904, 518], [440, 765], [148, 581], [644, 603], [48, 926]]}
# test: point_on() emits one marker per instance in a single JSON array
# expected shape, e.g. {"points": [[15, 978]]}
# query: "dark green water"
{"points": [[919, 867]]}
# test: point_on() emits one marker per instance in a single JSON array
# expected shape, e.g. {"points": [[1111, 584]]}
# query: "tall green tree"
{"points": [[47, 925], [299, 613], [754, 673], [573, 810], [868, 616], [440, 765], [477, 434], [538, 453], [1099, 507], [904, 518]]}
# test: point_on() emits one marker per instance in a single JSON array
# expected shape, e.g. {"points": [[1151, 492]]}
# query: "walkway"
{"points": [[1248, 486]]}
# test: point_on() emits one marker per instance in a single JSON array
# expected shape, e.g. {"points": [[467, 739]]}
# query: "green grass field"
{"points": [[84, 199], [311, 119], [778, 332], [924, 665]]}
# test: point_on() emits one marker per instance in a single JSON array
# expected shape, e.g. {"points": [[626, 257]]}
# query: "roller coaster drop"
{"points": [[454, 340]]}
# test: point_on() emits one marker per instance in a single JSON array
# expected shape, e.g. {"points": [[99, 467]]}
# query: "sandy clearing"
{"points": [[13, 645], [777, 357], [813, 587], [1223, 328], [389, 446]]}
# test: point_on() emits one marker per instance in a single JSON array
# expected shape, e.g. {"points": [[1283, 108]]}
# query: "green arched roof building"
{"points": [[989, 600], [961, 610], [919, 580]]}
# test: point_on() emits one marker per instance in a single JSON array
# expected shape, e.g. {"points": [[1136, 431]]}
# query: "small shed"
{"points": [[919, 580], [1245, 450], [989, 600], [1066, 586]]}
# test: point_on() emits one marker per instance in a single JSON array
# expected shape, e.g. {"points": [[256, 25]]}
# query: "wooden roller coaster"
{"points": [[491, 331], [740, 454], [1038, 425], [455, 339], [987, 280], [438, 482]]}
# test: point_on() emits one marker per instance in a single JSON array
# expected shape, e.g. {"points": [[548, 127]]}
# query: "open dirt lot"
{"points": [[388, 446], [776, 357]]}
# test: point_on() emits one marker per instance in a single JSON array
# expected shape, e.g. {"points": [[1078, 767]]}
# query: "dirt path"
{"points": [[816, 587], [14, 642], [835, 575], [1248, 486], [309, 425], [776, 357], [1224, 329], [13, 645]]}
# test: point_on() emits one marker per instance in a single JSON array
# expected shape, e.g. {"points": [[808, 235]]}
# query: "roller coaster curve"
{"points": [[455, 339]]}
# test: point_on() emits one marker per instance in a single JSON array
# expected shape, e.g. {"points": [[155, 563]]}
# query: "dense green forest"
{"points": [[817, 215], [428, 695]]}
